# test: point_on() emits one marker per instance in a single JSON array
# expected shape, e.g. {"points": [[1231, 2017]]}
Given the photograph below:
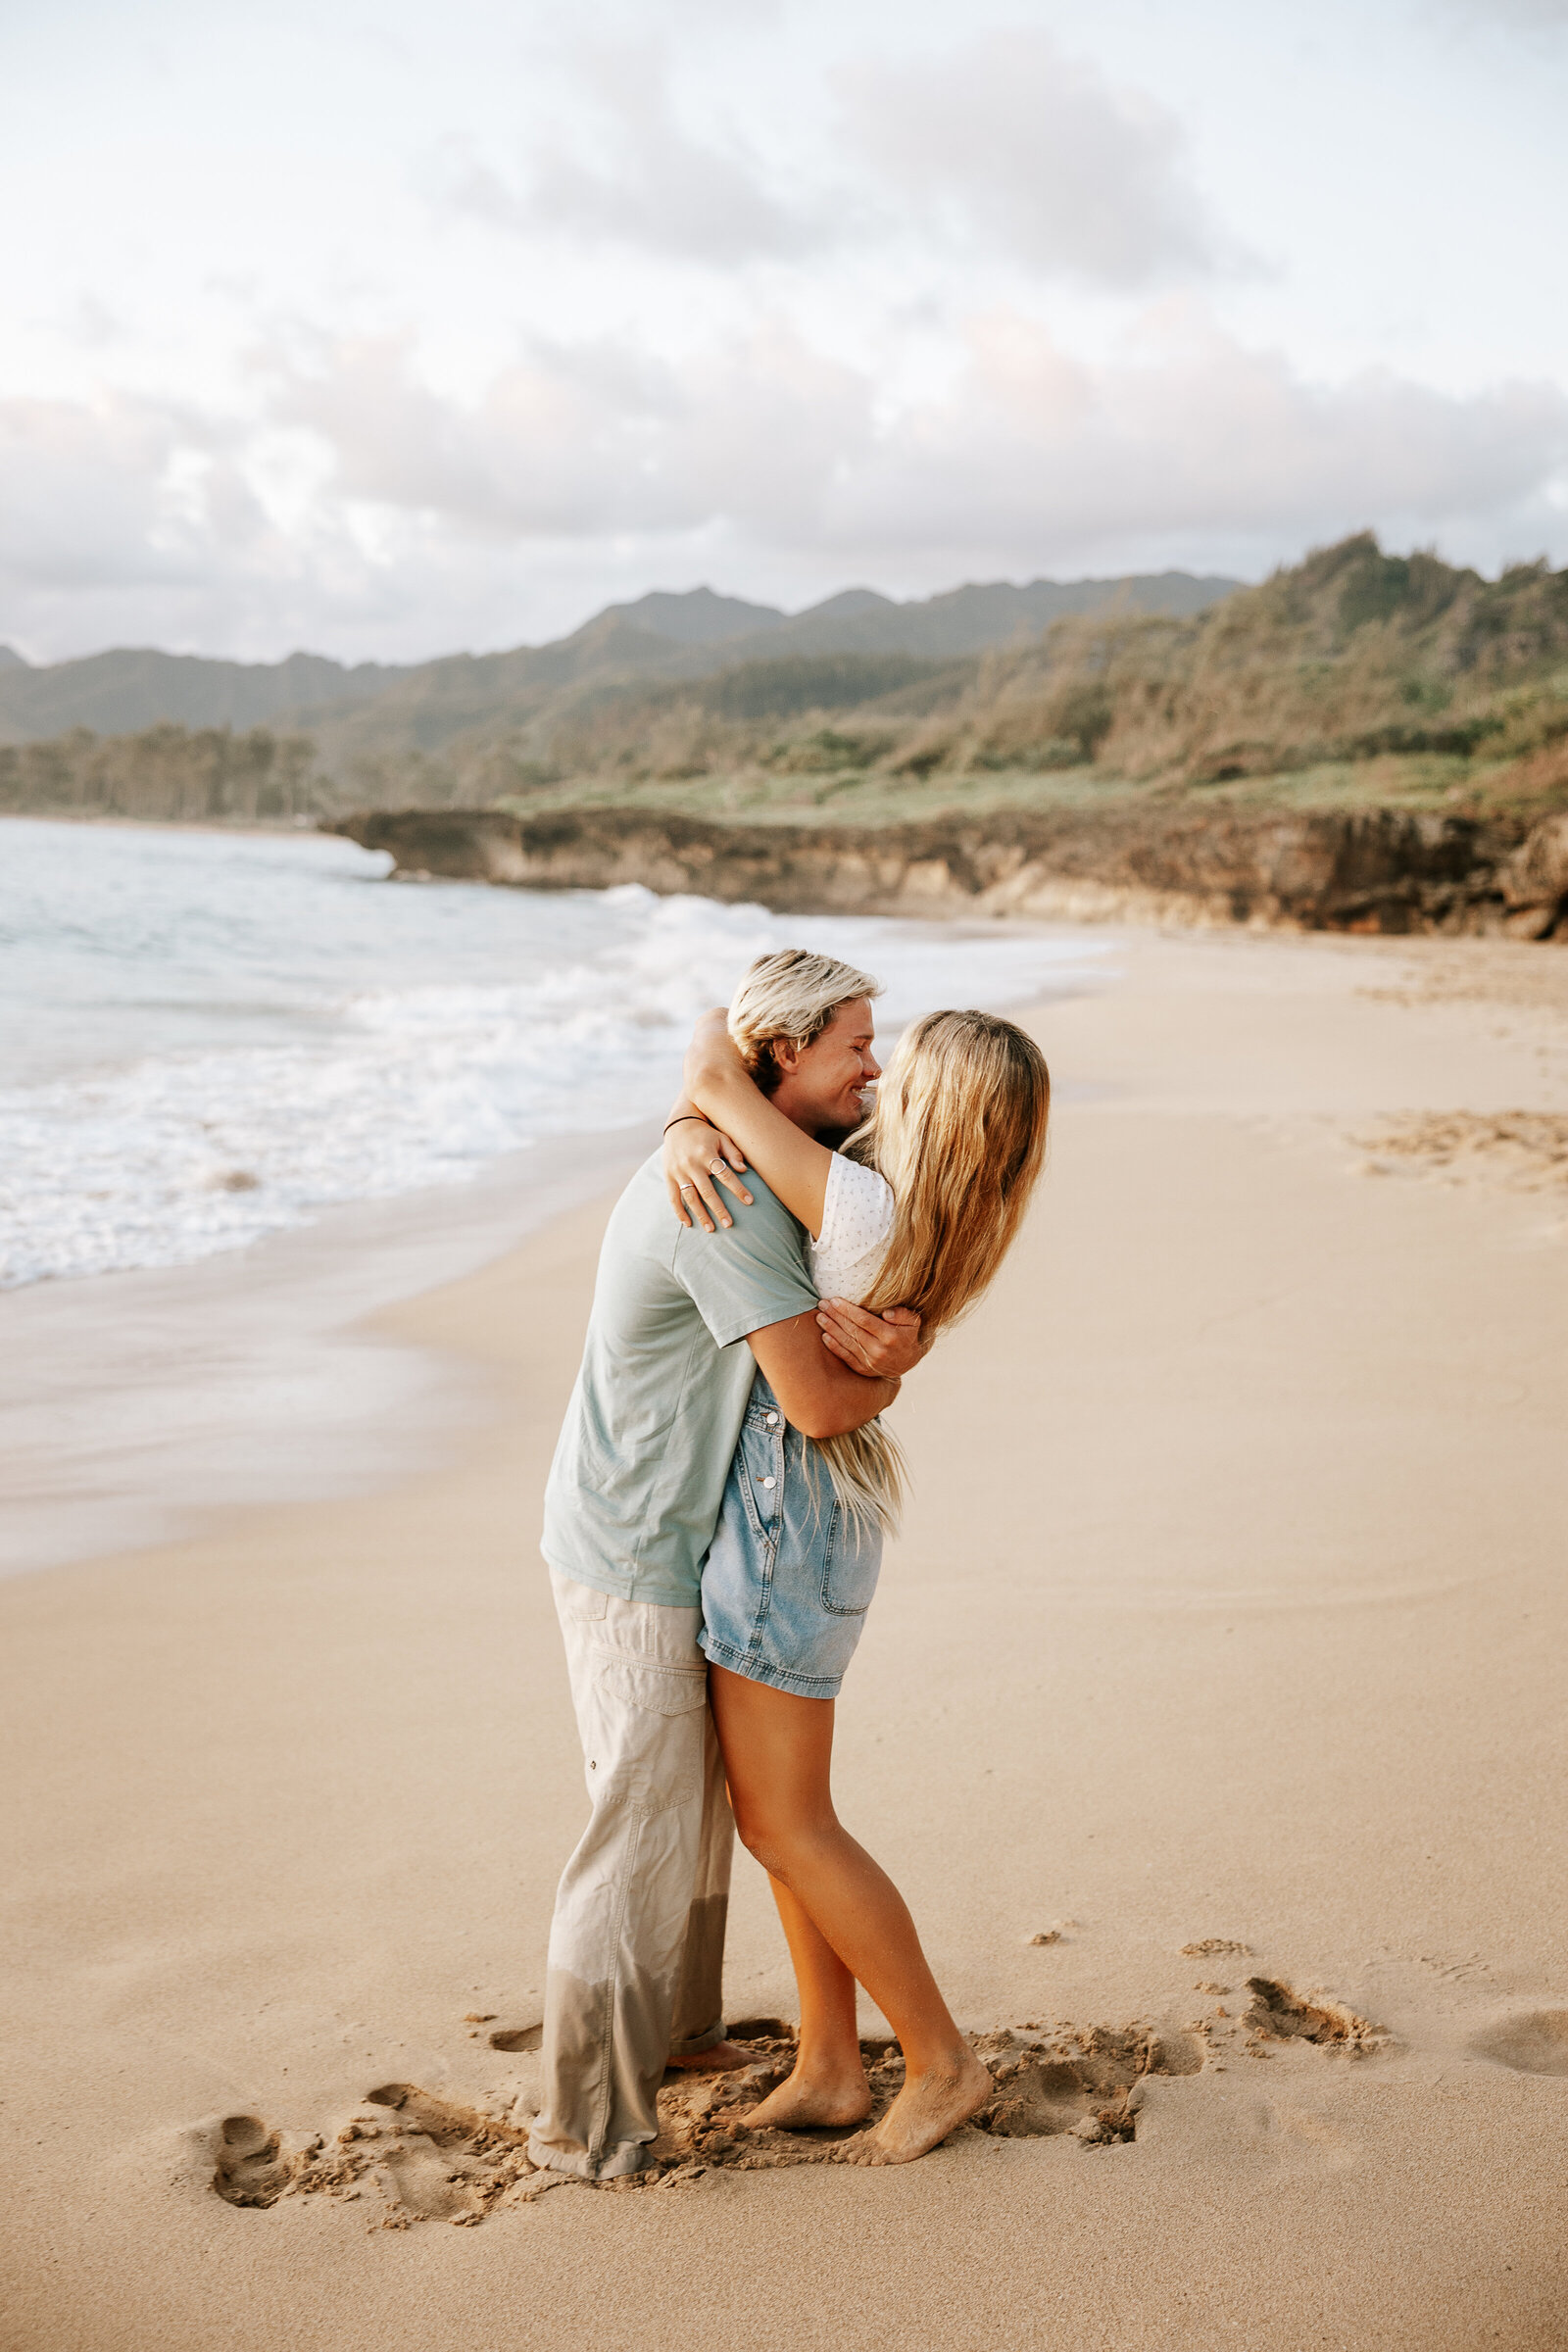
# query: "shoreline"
{"points": [[276, 1033], [135, 1406], [1222, 1642], [142, 1406], [136, 1402], [264, 828]]}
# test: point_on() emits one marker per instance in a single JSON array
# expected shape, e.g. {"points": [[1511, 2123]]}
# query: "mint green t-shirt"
{"points": [[656, 1415]]}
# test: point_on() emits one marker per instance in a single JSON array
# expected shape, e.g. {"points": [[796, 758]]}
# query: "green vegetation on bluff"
{"points": [[1353, 679], [1356, 676]]}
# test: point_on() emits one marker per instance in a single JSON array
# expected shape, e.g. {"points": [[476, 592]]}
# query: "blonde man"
{"points": [[683, 1315]]}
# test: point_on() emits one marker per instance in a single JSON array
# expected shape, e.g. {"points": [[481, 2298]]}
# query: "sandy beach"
{"points": [[1213, 1700]]}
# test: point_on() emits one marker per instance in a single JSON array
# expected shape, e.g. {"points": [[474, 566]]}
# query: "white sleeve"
{"points": [[857, 1220]]}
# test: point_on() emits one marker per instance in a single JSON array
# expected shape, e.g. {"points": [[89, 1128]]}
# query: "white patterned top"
{"points": [[845, 1257]]}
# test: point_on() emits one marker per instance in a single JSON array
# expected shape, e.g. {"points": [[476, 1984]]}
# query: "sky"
{"points": [[389, 332]]}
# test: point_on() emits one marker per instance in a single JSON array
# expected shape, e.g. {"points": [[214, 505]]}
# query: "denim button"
{"points": [[771, 1419], [771, 1481]]}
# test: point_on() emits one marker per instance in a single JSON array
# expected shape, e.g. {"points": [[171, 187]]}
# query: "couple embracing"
{"points": [[714, 1528]]}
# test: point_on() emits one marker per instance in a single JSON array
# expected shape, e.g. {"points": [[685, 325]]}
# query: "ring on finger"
{"points": [[718, 1168]]}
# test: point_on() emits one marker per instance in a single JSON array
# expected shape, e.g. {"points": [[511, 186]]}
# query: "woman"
{"points": [[916, 1212]]}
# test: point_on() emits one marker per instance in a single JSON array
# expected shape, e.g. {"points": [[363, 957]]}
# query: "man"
{"points": [[683, 1314]]}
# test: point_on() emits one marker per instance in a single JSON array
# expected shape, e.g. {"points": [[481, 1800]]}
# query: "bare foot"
{"points": [[805, 2100], [721, 2059], [925, 2111]]}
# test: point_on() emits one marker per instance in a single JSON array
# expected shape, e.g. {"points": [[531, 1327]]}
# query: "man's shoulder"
{"points": [[737, 1279], [642, 1222], [643, 1230], [764, 1214], [644, 1192], [751, 1272]]}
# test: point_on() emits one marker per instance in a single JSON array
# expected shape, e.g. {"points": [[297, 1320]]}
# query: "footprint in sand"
{"points": [[1283, 2015], [1088, 2082], [251, 2170], [1536, 2044], [435, 2160], [449, 2163], [1292, 2136], [518, 2038]]}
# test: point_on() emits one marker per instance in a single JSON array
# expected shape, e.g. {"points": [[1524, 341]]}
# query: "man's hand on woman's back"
{"points": [[880, 1346]]}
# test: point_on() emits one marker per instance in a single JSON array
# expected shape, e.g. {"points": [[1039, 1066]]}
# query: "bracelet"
{"points": [[685, 1114]]}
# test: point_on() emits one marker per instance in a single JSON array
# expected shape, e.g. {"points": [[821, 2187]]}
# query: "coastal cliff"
{"points": [[1379, 869]]}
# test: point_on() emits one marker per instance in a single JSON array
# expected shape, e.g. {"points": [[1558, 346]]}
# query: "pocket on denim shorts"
{"points": [[851, 1565]]}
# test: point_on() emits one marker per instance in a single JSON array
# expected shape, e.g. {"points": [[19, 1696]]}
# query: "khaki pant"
{"points": [[637, 1942]]}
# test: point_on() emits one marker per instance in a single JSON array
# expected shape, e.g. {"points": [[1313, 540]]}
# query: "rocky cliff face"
{"points": [[1376, 870]]}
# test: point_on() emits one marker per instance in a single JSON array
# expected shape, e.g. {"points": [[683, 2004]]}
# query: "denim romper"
{"points": [[788, 1575]]}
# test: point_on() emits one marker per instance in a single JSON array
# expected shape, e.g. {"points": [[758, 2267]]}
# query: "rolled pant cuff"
{"points": [[692, 2045], [629, 2156]]}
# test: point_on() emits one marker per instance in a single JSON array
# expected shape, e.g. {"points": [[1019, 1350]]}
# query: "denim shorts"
{"points": [[788, 1575]]}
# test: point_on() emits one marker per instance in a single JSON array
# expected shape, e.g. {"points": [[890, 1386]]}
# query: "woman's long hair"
{"points": [[960, 1133]]}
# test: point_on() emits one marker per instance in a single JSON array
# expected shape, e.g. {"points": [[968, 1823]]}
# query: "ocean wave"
{"points": [[377, 1090]]}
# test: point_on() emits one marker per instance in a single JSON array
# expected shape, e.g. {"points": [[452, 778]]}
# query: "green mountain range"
{"points": [[1354, 679], [374, 712]]}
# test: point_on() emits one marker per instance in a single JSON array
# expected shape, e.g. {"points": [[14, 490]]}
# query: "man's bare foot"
{"points": [[805, 2100], [925, 2111], [721, 2059]]}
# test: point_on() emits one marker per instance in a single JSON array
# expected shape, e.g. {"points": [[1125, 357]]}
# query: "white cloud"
{"points": [[790, 296], [113, 490], [1008, 140], [1028, 451], [629, 171], [1188, 431], [598, 440], [363, 512], [128, 520], [1535, 16], [1005, 144]]}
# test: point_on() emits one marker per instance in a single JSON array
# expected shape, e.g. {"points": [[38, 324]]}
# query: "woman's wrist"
{"points": [[706, 1075]]}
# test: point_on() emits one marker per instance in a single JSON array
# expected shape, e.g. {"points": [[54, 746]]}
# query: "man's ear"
{"points": [[786, 1055]]}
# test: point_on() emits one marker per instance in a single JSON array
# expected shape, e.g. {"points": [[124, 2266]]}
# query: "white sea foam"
{"points": [[210, 1037]]}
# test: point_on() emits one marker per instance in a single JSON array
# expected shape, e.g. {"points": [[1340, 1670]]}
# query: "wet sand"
{"points": [[1223, 1648], [135, 1405]]}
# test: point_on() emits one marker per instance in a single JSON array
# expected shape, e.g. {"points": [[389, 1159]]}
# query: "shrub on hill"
{"points": [[167, 772], [810, 682]]}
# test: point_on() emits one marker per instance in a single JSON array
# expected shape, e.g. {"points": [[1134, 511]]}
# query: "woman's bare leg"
{"points": [[777, 1757], [828, 2084]]}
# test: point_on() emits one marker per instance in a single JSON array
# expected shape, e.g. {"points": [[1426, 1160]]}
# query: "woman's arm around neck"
{"points": [[794, 1164]]}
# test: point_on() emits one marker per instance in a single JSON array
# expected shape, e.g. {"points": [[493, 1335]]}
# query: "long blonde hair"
{"points": [[960, 1133]]}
